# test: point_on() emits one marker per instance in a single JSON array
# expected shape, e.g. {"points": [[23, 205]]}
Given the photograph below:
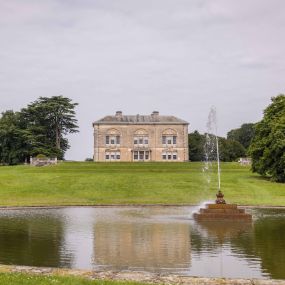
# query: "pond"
{"points": [[155, 239]]}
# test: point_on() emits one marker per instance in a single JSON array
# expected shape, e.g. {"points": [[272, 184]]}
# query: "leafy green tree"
{"points": [[230, 150], [268, 145], [196, 143], [13, 146], [243, 135]]}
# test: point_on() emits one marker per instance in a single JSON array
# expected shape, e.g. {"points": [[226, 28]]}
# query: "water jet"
{"points": [[220, 209]]}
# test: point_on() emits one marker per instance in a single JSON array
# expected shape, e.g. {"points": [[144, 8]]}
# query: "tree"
{"points": [[196, 143], [243, 135], [49, 120], [230, 150], [268, 145], [13, 146]]}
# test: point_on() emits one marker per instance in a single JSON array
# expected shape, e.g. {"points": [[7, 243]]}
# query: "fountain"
{"points": [[220, 209]]}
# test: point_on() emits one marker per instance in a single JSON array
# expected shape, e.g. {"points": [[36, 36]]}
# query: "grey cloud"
{"points": [[177, 56]]}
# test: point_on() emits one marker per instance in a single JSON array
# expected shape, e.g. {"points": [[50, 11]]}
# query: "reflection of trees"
{"points": [[31, 240], [268, 243], [265, 240]]}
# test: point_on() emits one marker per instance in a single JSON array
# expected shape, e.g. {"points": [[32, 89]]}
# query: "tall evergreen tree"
{"points": [[49, 120]]}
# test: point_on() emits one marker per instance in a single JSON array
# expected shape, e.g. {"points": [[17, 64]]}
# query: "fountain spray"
{"points": [[220, 210], [212, 149], [218, 161]]}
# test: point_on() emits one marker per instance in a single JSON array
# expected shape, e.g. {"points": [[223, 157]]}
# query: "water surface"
{"points": [[155, 239]]}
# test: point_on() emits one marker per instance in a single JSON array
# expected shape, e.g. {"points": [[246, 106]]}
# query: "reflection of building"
{"points": [[140, 138], [122, 245]]}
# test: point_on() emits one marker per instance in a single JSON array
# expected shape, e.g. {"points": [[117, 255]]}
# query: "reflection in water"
{"points": [[29, 238], [266, 242], [212, 250], [223, 230], [155, 239], [78, 236], [145, 246]]}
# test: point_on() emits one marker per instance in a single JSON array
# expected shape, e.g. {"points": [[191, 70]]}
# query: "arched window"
{"points": [[169, 137], [141, 138], [113, 137]]}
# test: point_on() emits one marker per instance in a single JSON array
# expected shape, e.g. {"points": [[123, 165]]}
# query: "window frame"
{"points": [[169, 139]]}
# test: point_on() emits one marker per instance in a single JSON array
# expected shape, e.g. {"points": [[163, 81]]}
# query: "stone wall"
{"points": [[36, 161]]}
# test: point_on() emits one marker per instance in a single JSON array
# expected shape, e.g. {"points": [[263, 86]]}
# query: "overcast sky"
{"points": [[179, 57]]}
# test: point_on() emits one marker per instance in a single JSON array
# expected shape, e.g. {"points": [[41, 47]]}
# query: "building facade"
{"points": [[140, 138]]}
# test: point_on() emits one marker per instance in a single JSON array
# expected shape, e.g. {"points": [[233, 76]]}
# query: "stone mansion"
{"points": [[140, 138]]}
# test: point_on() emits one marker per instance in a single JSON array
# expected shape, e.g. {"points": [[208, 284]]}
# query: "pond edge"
{"points": [[125, 206], [135, 276]]}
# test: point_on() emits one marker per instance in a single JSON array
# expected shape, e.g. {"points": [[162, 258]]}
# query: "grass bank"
{"points": [[87, 183], [28, 279]]}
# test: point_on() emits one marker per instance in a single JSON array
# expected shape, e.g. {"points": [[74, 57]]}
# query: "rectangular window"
{"points": [[113, 155], [140, 141], [146, 155], [117, 139], [135, 155], [169, 156], [174, 139], [112, 141], [163, 140], [141, 153], [135, 141], [107, 139], [169, 141], [174, 155], [146, 141]]}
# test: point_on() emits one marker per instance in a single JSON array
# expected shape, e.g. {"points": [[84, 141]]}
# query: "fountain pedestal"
{"points": [[222, 211]]}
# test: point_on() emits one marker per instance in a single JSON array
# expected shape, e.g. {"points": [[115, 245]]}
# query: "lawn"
{"points": [[88, 183], [27, 279]]}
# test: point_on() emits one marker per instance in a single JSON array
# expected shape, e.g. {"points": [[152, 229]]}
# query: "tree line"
{"points": [[39, 128], [42, 126], [263, 141]]}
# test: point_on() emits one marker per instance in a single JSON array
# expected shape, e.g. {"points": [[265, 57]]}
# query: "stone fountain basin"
{"points": [[222, 212]]}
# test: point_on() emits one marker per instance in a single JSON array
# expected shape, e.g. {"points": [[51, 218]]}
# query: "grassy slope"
{"points": [[83, 183], [24, 279]]}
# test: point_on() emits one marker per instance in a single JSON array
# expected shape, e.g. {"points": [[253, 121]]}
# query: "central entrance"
{"points": [[141, 155]]}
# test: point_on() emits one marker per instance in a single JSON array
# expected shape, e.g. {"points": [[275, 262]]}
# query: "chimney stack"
{"points": [[155, 115], [119, 115]]}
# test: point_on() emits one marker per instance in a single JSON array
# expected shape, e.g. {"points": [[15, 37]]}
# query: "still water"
{"points": [[156, 239]]}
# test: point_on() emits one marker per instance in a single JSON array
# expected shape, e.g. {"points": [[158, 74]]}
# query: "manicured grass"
{"points": [[88, 183], [25, 279]]}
